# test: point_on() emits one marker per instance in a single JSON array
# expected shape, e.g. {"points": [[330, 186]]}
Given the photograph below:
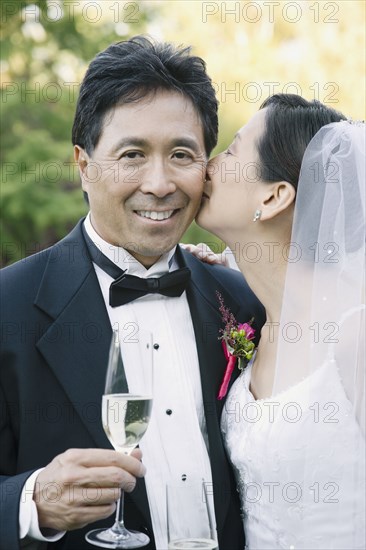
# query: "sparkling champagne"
{"points": [[192, 543], [125, 419]]}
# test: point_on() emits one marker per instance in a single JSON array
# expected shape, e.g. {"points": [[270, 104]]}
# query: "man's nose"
{"points": [[158, 180]]}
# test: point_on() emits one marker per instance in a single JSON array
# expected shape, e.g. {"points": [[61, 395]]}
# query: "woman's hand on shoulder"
{"points": [[204, 253]]}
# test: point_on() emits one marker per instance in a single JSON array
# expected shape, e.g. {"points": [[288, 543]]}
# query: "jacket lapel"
{"points": [[76, 345]]}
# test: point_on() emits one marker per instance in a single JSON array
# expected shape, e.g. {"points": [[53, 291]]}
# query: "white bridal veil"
{"points": [[321, 350], [323, 313]]}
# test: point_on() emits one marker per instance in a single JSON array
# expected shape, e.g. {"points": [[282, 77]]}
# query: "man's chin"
{"points": [[149, 256]]}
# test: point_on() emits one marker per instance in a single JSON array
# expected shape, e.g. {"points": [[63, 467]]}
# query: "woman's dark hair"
{"points": [[290, 124], [130, 70]]}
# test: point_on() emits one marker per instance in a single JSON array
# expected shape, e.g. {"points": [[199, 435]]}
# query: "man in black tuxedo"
{"points": [[145, 124]]}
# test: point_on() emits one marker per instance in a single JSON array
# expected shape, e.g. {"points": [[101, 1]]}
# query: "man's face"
{"points": [[145, 177]]}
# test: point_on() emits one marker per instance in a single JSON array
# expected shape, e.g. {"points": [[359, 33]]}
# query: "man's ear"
{"points": [[280, 196], [81, 157]]}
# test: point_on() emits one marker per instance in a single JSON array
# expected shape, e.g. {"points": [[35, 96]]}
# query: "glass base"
{"points": [[109, 538]]}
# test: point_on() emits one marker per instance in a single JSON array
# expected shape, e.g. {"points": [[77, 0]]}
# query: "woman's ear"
{"points": [[280, 196]]}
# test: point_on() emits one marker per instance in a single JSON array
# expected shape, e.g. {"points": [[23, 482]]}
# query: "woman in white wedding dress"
{"points": [[293, 421]]}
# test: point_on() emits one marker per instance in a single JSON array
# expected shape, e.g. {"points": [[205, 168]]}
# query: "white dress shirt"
{"points": [[175, 446], [28, 516]]}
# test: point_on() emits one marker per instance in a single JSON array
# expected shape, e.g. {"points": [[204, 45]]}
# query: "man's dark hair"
{"points": [[129, 71], [290, 124]]}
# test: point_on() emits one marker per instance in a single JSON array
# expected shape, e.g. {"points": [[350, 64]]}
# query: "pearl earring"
{"points": [[257, 215]]}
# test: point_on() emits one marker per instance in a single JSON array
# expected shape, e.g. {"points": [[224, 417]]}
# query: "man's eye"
{"points": [[182, 155], [228, 152], [132, 155]]}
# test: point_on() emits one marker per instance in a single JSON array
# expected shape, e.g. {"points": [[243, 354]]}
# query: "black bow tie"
{"points": [[126, 288]]}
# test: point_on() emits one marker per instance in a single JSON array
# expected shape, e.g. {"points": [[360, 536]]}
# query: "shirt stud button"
{"points": [[184, 477], [169, 412], [156, 346]]}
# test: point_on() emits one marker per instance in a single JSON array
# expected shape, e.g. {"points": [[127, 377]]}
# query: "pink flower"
{"points": [[236, 341], [249, 331]]}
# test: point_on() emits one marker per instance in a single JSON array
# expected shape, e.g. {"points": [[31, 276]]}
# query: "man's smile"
{"points": [[156, 215]]}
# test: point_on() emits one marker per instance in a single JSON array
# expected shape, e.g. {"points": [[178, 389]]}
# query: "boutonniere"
{"points": [[237, 344]]}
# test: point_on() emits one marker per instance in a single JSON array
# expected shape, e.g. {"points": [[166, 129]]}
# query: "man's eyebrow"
{"points": [[128, 141], [237, 136], [138, 142], [187, 142]]}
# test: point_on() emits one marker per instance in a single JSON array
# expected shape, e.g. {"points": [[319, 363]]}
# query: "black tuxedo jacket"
{"points": [[55, 336]]}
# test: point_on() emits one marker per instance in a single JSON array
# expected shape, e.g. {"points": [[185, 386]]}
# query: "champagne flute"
{"points": [[126, 411]]}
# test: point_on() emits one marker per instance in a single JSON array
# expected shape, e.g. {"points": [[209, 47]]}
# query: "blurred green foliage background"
{"points": [[252, 49]]}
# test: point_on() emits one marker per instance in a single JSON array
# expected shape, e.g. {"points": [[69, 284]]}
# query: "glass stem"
{"points": [[119, 526]]}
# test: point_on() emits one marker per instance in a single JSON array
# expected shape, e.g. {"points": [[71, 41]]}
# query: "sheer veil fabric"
{"points": [[323, 307], [321, 345]]}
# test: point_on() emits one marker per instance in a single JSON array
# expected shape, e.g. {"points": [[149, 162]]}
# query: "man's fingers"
{"points": [[95, 496], [136, 453], [87, 484], [89, 514], [90, 458], [101, 512], [82, 516], [108, 477]]}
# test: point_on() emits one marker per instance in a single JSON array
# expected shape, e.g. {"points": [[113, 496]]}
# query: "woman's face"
{"points": [[233, 188]]}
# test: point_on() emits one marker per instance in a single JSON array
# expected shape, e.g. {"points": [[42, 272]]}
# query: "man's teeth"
{"points": [[152, 215]]}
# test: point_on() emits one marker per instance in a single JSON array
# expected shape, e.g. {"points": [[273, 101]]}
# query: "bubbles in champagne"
{"points": [[125, 419]]}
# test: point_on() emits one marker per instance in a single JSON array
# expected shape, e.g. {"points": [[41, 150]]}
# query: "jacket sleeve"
{"points": [[10, 493]]}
